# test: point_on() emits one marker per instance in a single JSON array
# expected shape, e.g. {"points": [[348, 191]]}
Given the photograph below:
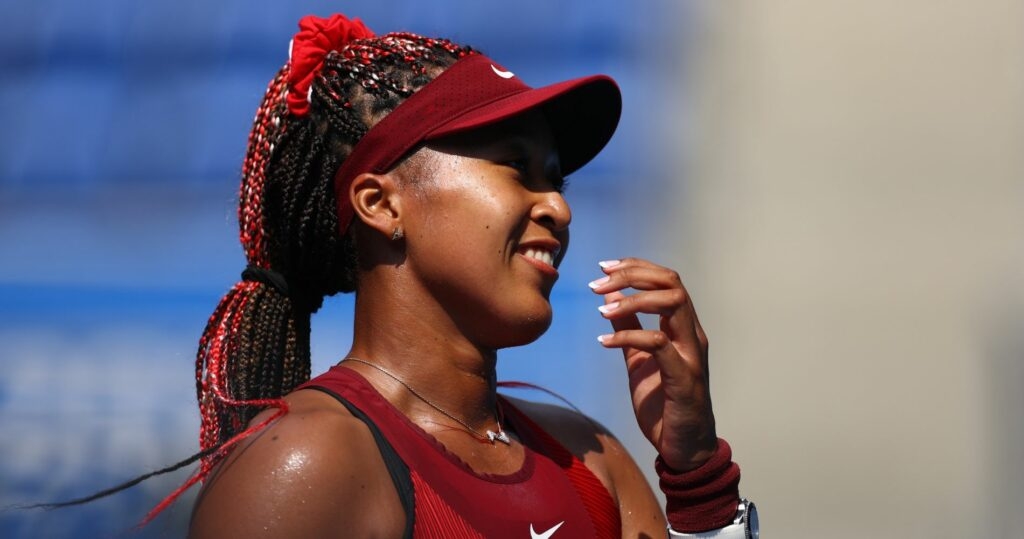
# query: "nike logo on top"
{"points": [[502, 74], [550, 532]]}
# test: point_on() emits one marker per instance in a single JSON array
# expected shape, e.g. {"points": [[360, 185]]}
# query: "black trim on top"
{"points": [[397, 468]]}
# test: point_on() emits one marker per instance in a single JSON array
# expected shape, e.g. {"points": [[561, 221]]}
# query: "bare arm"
{"points": [[316, 472]]}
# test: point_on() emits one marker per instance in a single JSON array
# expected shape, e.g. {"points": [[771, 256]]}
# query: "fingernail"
{"points": [[605, 309], [598, 282], [602, 338], [609, 263]]}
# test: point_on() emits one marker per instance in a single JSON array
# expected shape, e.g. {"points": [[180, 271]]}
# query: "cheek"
{"points": [[476, 239], [471, 220]]}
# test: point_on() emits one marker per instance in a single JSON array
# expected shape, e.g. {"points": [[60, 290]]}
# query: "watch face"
{"points": [[753, 528]]}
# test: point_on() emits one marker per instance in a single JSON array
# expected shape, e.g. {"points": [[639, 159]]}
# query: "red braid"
{"points": [[217, 345], [255, 347], [266, 130]]}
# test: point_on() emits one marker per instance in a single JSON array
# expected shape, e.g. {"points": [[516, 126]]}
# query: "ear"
{"points": [[376, 200]]}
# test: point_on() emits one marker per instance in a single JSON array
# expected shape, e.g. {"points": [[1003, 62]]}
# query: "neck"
{"points": [[406, 332]]}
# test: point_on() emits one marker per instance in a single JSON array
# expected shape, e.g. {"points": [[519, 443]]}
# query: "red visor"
{"points": [[475, 92]]}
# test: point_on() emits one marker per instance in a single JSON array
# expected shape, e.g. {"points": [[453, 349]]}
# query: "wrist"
{"points": [[705, 498], [691, 459], [690, 444], [745, 525]]}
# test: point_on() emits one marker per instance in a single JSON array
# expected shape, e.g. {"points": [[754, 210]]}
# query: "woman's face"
{"points": [[486, 226]]}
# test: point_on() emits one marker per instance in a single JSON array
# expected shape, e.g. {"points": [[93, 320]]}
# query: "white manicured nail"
{"points": [[605, 309]]}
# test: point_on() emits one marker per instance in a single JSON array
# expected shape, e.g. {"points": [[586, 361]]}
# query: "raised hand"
{"points": [[667, 366]]}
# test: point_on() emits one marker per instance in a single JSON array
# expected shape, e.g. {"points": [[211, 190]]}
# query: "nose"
{"points": [[552, 211]]}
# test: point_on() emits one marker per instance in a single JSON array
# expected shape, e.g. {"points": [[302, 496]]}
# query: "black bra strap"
{"points": [[397, 468]]}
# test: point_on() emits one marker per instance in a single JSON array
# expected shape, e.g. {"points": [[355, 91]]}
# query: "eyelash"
{"points": [[517, 164], [521, 166], [561, 185]]}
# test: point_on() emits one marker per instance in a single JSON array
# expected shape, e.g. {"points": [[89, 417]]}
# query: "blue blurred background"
{"points": [[124, 130], [839, 183]]}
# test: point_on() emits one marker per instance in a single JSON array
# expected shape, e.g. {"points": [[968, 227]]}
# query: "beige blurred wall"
{"points": [[850, 224]]}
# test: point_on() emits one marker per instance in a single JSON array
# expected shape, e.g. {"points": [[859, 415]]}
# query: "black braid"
{"points": [[354, 89], [257, 340]]}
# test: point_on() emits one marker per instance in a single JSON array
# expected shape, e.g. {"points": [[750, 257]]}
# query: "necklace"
{"points": [[491, 436]]}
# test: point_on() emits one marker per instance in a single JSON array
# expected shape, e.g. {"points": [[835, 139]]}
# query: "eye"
{"points": [[519, 165], [522, 167]]}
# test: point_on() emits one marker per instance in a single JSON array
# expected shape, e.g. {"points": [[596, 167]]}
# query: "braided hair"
{"points": [[256, 346]]}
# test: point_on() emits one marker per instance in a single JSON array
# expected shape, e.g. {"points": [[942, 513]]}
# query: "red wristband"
{"points": [[705, 498]]}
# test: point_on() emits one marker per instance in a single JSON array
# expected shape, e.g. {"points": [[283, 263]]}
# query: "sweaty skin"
{"points": [[482, 215]]}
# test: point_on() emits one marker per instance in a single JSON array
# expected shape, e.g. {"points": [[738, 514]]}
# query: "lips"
{"points": [[541, 254]]}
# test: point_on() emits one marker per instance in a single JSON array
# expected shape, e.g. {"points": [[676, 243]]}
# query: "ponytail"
{"points": [[256, 347]]}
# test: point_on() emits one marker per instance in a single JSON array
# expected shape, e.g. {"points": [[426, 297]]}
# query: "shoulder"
{"points": [[312, 473], [571, 428], [584, 437], [606, 457]]}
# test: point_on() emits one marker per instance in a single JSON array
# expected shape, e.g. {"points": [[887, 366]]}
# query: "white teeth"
{"points": [[539, 254]]}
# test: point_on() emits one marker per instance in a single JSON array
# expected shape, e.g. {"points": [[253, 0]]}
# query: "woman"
{"points": [[427, 179]]}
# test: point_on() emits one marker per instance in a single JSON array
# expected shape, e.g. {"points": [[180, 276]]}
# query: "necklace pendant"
{"points": [[499, 436]]}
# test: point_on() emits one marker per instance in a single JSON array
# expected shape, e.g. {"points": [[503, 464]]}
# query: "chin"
{"points": [[524, 330]]}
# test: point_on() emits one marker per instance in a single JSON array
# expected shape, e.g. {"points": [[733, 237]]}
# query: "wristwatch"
{"points": [[744, 526], [746, 515]]}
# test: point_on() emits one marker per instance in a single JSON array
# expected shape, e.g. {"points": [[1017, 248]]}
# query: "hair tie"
{"points": [[301, 298], [266, 276], [317, 36]]}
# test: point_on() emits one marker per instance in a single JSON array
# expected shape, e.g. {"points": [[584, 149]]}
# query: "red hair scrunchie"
{"points": [[316, 37]]}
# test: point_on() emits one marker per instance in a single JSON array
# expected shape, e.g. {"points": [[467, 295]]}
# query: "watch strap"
{"points": [[732, 531]]}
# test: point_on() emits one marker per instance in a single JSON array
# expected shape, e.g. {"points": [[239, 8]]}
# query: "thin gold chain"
{"points": [[491, 436]]}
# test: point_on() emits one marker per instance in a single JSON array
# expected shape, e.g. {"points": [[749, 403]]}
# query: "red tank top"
{"points": [[552, 496]]}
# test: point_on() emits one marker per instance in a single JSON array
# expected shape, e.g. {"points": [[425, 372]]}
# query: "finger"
{"points": [[662, 302], [622, 323], [643, 275], [643, 340], [630, 262], [613, 265], [638, 277], [648, 343], [673, 305]]}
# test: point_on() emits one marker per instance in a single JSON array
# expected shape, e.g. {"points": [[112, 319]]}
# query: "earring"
{"points": [[397, 234]]}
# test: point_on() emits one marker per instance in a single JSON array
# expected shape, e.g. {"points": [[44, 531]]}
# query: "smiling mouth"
{"points": [[541, 255], [544, 255]]}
